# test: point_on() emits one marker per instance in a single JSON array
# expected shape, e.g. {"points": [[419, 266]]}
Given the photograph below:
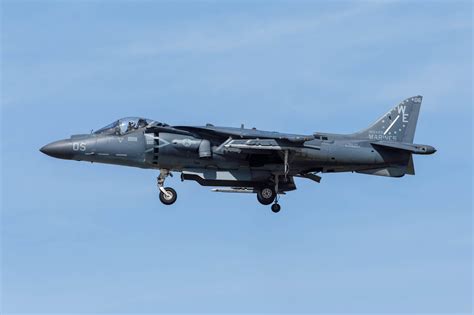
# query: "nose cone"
{"points": [[59, 149]]}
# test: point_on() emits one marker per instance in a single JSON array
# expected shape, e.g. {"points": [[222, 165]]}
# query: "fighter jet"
{"points": [[242, 160]]}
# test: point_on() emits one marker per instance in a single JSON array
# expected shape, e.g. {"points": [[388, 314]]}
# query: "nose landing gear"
{"points": [[168, 195]]}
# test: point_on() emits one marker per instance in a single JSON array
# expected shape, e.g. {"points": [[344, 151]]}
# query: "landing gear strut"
{"points": [[276, 207], [168, 195]]}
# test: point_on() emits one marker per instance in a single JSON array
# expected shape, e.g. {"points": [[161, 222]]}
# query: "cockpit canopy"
{"points": [[126, 125]]}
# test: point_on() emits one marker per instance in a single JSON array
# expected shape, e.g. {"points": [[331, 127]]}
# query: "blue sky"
{"points": [[82, 238]]}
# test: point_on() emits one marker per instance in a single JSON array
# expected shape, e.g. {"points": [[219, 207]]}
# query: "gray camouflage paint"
{"points": [[240, 157]]}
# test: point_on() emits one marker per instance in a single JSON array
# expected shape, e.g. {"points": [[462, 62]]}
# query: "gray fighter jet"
{"points": [[250, 160]]}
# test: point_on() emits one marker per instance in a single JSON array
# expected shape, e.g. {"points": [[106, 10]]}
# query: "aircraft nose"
{"points": [[61, 149]]}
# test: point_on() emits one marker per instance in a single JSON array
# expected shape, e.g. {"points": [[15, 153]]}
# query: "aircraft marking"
{"points": [[187, 143], [391, 125], [76, 146], [401, 110], [150, 140], [163, 144]]}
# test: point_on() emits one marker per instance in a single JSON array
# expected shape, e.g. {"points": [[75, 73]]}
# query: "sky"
{"points": [[89, 238]]}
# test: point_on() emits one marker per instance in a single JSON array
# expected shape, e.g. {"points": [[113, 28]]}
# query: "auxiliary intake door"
{"points": [[152, 148]]}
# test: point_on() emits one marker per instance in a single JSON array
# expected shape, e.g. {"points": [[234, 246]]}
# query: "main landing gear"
{"points": [[168, 195], [267, 195]]}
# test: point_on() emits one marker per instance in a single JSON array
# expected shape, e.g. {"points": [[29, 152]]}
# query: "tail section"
{"points": [[394, 133], [398, 124]]}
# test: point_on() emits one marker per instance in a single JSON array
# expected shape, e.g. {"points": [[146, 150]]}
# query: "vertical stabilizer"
{"points": [[398, 124]]}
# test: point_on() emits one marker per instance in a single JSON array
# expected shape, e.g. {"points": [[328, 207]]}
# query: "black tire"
{"points": [[168, 200], [276, 208], [266, 195]]}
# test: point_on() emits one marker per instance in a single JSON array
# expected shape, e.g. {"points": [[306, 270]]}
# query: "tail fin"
{"points": [[398, 124]]}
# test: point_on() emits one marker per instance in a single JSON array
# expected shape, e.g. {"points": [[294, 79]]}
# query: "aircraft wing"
{"points": [[259, 146], [254, 144], [242, 133]]}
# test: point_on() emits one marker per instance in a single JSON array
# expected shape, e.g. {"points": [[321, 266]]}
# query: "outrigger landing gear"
{"points": [[168, 195]]}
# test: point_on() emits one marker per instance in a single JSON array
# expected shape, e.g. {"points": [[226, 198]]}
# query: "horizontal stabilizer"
{"points": [[410, 147]]}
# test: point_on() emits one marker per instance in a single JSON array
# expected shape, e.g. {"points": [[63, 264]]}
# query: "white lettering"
{"points": [[401, 110], [76, 146], [405, 118]]}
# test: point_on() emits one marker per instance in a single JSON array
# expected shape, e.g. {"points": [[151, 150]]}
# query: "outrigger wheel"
{"points": [[276, 208], [168, 195], [266, 195]]}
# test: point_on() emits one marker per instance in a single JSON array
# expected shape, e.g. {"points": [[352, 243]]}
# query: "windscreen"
{"points": [[125, 125]]}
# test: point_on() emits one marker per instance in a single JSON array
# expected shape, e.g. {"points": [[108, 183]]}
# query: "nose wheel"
{"points": [[168, 195]]}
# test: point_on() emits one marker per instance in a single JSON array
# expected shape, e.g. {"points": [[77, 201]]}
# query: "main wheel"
{"points": [[170, 197], [276, 208], [266, 195]]}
